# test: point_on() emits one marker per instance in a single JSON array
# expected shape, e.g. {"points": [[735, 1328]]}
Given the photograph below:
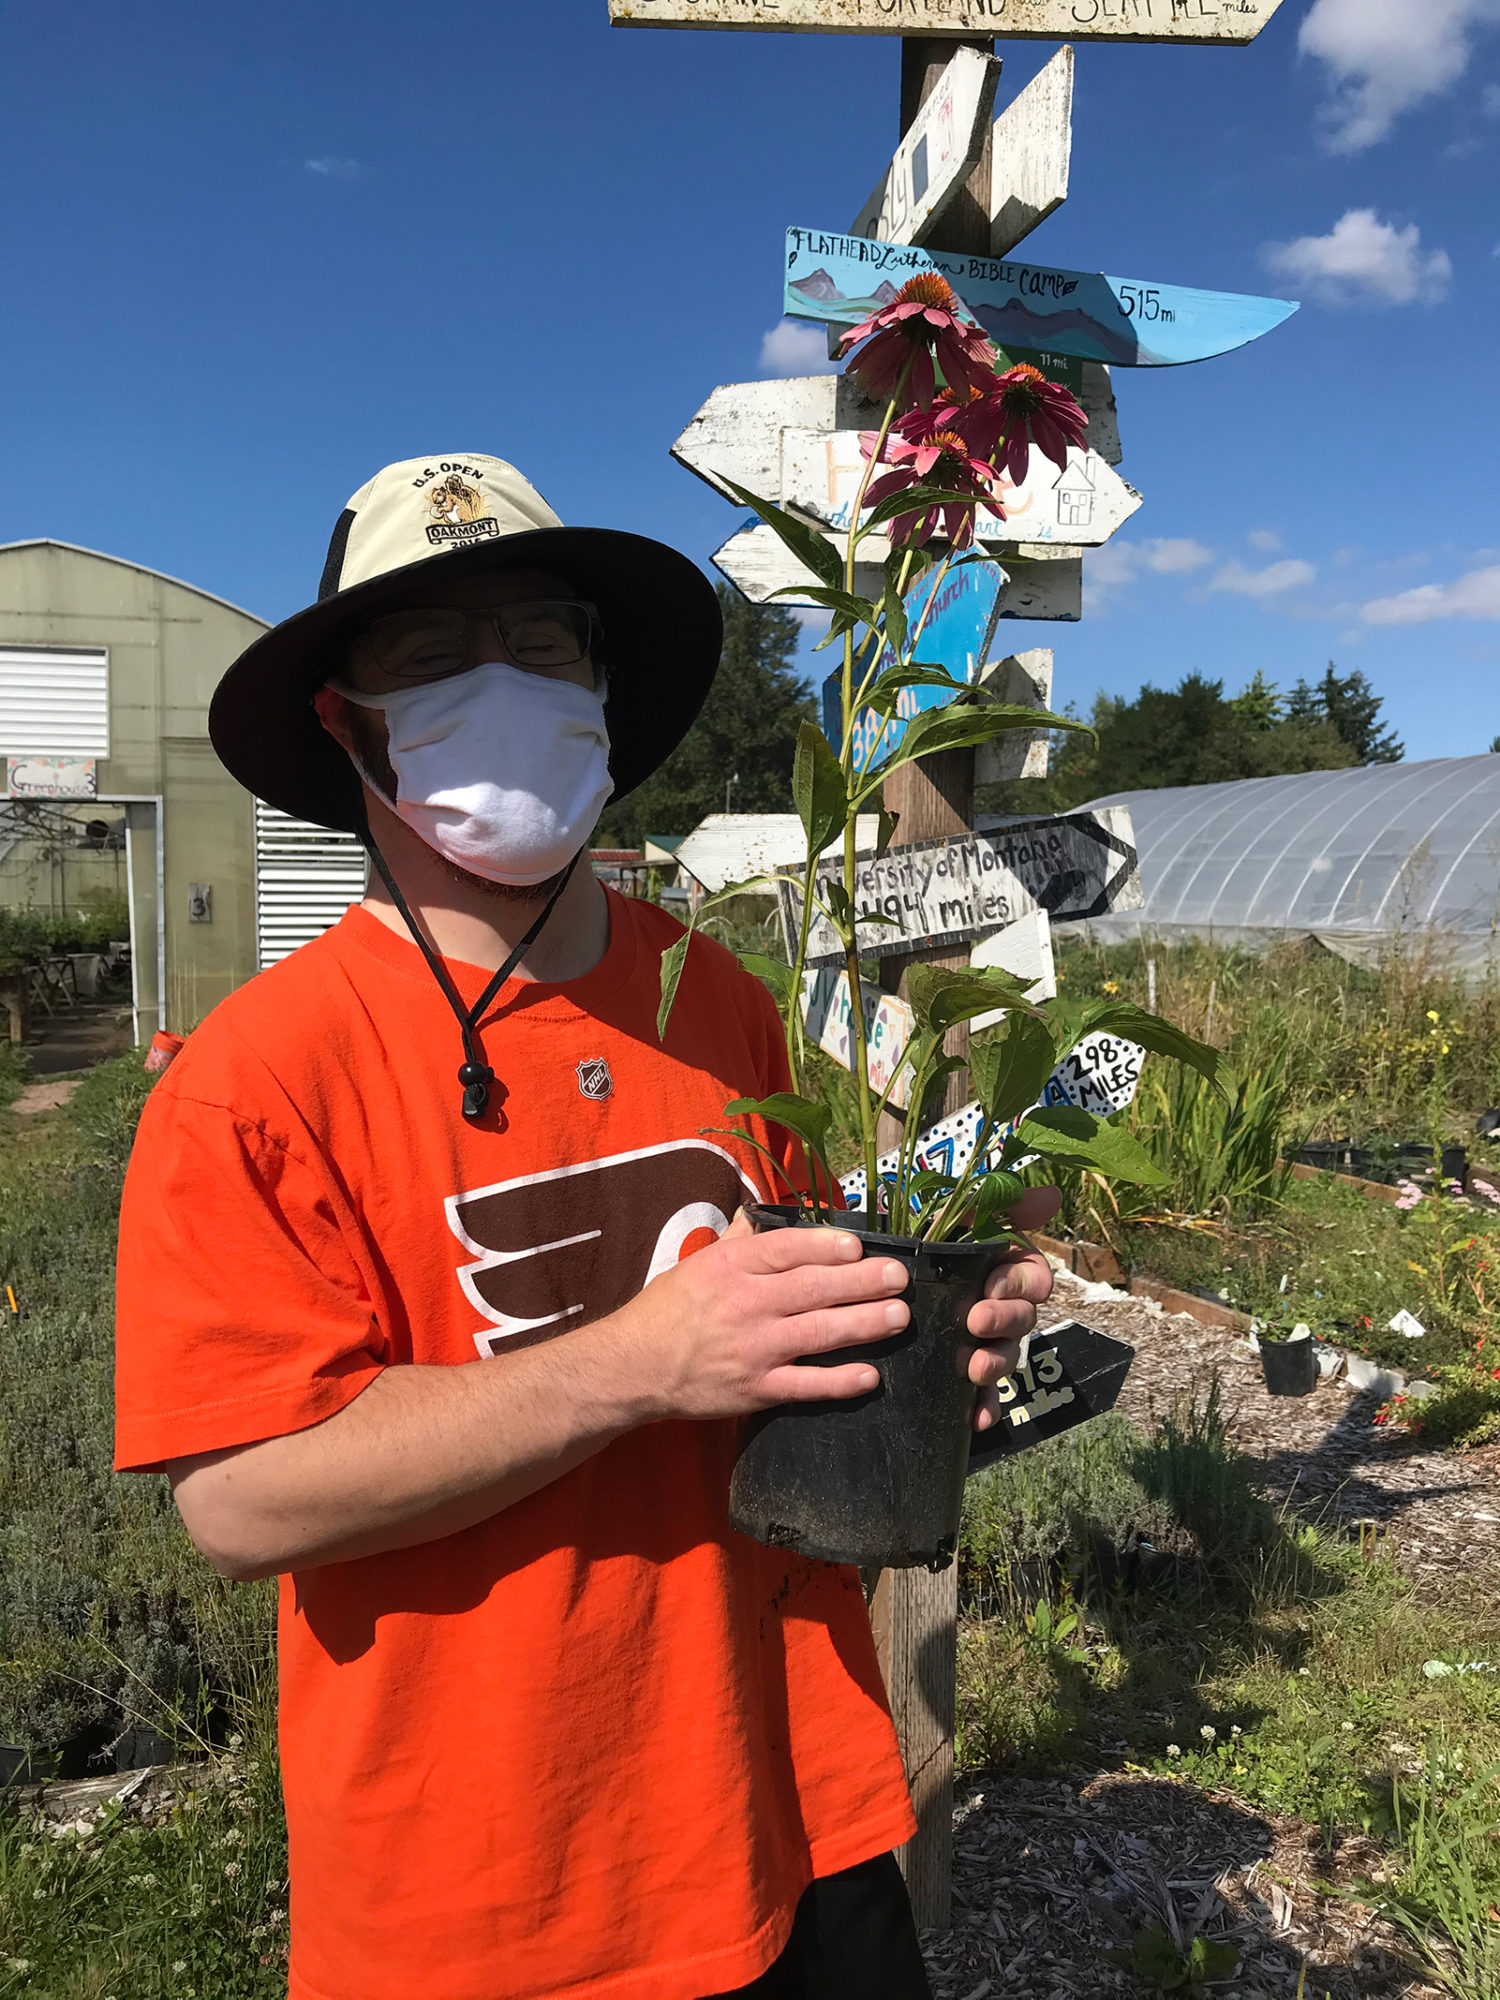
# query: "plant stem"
{"points": [[859, 1049]]}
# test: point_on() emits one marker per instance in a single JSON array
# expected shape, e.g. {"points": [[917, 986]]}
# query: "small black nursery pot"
{"points": [[877, 1481], [1289, 1366]]}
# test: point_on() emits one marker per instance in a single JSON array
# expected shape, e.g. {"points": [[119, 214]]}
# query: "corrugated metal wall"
{"points": [[305, 878]]}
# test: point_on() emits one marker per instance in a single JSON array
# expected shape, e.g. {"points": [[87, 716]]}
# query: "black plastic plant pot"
{"points": [[879, 1480], [1289, 1366]]}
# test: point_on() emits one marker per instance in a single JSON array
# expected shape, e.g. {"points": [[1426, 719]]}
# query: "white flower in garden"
{"points": [[1174, 1749], [1236, 1732], [1208, 1732], [231, 1869]]}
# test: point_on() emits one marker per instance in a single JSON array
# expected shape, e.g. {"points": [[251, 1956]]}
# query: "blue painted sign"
{"points": [[957, 613], [1123, 321]]}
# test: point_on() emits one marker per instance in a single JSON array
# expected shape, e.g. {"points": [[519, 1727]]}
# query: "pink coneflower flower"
{"points": [[926, 448], [921, 322], [1025, 409]]}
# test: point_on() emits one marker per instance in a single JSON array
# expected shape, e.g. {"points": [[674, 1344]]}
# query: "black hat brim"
{"points": [[663, 632]]}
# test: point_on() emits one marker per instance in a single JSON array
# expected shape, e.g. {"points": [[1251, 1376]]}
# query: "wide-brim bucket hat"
{"points": [[415, 526]]}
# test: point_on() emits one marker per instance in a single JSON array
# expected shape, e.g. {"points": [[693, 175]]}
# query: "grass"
{"points": [[124, 1904], [108, 1617]]}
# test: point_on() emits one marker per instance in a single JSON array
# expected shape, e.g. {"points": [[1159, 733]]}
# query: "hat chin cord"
{"points": [[475, 1075]]}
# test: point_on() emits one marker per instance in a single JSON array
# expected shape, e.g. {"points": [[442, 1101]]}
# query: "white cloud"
{"points": [[1266, 540], [332, 168], [795, 348], [1364, 261], [1386, 56], [1168, 557], [1272, 582], [1476, 595]]}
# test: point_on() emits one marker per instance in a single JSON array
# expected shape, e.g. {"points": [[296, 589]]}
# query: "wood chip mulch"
{"points": [[1323, 1455], [1050, 1876]]}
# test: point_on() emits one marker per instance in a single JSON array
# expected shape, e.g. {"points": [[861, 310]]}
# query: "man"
{"points": [[435, 1303]]}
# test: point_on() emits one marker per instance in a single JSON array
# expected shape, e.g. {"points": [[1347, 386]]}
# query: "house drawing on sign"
{"points": [[1075, 494]]}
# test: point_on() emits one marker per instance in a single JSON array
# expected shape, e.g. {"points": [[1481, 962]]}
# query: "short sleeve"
{"points": [[241, 1309]]}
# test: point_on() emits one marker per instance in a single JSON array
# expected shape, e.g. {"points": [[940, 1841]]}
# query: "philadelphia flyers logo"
{"points": [[559, 1249]]}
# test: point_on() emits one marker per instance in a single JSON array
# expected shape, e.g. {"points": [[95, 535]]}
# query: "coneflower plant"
{"points": [[955, 424]]}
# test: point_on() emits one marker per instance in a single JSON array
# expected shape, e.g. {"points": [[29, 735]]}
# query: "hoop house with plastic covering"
{"points": [[1356, 859]]}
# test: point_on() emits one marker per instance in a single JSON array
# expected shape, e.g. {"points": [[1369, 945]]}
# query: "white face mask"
{"points": [[501, 771]]}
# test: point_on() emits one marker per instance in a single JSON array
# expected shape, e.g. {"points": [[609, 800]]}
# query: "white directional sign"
{"points": [[1044, 20], [1023, 680], [941, 892], [937, 156], [1080, 507], [737, 433], [1033, 147], [1048, 584]]}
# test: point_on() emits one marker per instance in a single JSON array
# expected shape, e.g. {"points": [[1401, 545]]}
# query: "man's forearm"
{"points": [[423, 1452]]}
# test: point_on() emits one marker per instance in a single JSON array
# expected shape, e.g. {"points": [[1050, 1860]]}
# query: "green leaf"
{"points": [[916, 500], [882, 696], [800, 1116], [893, 609], [887, 831], [859, 610], [1010, 1072], [942, 996], [771, 972], [995, 1195], [672, 962], [806, 544], [818, 789], [1160, 1037], [1081, 1139]]}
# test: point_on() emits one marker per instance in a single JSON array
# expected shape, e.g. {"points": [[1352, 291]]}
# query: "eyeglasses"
{"points": [[429, 645]]}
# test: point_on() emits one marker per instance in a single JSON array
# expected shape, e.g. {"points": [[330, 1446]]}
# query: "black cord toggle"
{"points": [[476, 1079]]}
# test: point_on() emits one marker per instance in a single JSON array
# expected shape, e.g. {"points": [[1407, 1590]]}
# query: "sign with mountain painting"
{"points": [[1126, 322], [1045, 20]]}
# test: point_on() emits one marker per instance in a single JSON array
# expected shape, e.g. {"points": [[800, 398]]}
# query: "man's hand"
{"points": [[720, 1334], [1019, 1283]]}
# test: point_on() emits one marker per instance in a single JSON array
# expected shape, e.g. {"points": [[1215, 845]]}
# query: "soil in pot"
{"points": [[1290, 1366], [877, 1481]]}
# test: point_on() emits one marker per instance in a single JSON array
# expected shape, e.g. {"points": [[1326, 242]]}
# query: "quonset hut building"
{"points": [[1358, 860]]}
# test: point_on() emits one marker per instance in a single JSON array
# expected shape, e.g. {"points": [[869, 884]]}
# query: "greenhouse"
{"points": [[1360, 860]]}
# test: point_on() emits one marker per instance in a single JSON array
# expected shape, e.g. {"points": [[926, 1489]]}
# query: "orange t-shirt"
{"points": [[597, 1744]]}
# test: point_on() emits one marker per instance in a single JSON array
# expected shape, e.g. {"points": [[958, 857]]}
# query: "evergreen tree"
{"points": [[1353, 707], [1260, 703], [747, 732]]}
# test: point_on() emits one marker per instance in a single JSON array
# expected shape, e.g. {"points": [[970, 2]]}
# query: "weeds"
{"points": [[1449, 1826]]}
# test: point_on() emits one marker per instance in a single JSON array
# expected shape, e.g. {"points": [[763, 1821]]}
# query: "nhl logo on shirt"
{"points": [[594, 1079]]}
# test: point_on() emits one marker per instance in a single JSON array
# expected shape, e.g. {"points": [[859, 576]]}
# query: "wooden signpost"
{"points": [[1030, 156], [1129, 322], [937, 155], [960, 193], [1224, 21]]}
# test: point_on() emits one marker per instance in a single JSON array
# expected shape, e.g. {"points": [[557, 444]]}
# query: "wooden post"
{"points": [[913, 1613]]}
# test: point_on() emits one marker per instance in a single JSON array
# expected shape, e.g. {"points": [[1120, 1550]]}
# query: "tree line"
{"points": [[738, 754]]}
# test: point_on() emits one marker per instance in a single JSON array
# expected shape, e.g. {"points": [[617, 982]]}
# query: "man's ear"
{"points": [[333, 712]]}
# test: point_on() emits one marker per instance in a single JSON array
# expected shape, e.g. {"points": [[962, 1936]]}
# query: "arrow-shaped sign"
{"points": [[938, 892], [1030, 156], [938, 154], [1048, 584], [1068, 1374], [1036, 20], [1080, 506], [1125, 321]]}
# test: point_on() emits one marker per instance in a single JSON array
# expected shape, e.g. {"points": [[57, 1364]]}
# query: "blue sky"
{"points": [[252, 252]]}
